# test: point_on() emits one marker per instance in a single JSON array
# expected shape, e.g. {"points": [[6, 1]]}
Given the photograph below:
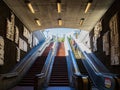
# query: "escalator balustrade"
{"points": [[28, 79]]}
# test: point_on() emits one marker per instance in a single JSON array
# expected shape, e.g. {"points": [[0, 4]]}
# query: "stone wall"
{"points": [[15, 39], [106, 44]]}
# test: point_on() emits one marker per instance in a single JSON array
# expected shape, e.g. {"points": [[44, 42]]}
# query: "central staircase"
{"points": [[59, 75]]}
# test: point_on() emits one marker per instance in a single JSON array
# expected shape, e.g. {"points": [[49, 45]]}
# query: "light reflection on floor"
{"points": [[59, 88], [49, 88]]}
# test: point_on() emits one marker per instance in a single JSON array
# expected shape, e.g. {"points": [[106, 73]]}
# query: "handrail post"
{"points": [[39, 81], [81, 82], [117, 82]]}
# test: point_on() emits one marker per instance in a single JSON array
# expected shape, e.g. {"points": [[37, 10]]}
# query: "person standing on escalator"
{"points": [[74, 45]]}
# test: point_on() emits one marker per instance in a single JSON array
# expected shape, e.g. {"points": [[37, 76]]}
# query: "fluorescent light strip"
{"points": [[59, 22], [88, 7], [38, 22], [30, 7], [81, 21], [59, 7]]}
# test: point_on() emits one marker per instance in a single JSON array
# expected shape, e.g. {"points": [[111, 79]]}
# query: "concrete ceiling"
{"points": [[72, 12]]}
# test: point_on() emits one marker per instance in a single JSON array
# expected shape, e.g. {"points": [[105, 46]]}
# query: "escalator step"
{"points": [[28, 79]]}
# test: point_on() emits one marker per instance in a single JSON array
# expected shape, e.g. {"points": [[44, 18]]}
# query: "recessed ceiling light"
{"points": [[30, 6], [88, 6], [38, 22], [59, 6], [60, 22]]}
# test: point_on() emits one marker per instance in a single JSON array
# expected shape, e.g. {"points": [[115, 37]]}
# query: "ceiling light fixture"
{"points": [[60, 22], [81, 21], [59, 6], [30, 6], [88, 6], [38, 22]]}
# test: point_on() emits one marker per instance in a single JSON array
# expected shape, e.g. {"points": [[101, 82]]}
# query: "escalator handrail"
{"points": [[51, 61], [87, 58], [20, 66], [98, 77], [26, 59], [15, 75], [48, 60], [99, 63], [48, 63], [75, 75], [75, 67], [90, 63]]}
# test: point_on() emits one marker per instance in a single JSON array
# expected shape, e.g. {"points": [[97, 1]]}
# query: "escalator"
{"points": [[78, 56], [59, 74], [28, 79], [84, 71], [81, 67], [100, 76]]}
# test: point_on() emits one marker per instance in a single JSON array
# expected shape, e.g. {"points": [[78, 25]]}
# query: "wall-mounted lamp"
{"points": [[88, 6], [81, 21], [30, 6], [60, 22], [38, 22], [59, 6]]}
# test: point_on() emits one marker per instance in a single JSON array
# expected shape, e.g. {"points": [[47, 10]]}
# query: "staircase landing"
{"points": [[23, 88], [59, 88], [49, 88]]}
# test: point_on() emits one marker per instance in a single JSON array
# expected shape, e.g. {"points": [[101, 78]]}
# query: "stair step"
{"points": [[59, 72], [59, 79], [59, 75], [59, 84]]}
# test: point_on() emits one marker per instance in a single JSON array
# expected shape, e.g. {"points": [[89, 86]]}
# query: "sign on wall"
{"points": [[18, 54], [9, 30], [16, 34], [22, 45], [12, 19], [106, 43], [26, 33], [35, 40], [108, 83], [1, 51], [97, 30], [114, 41], [30, 40]]}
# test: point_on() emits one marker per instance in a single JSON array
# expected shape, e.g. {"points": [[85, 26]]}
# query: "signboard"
{"points": [[107, 82], [22, 44], [1, 51]]}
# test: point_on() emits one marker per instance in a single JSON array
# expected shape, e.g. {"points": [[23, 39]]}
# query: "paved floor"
{"points": [[22, 88], [49, 88], [94, 89], [59, 88]]}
